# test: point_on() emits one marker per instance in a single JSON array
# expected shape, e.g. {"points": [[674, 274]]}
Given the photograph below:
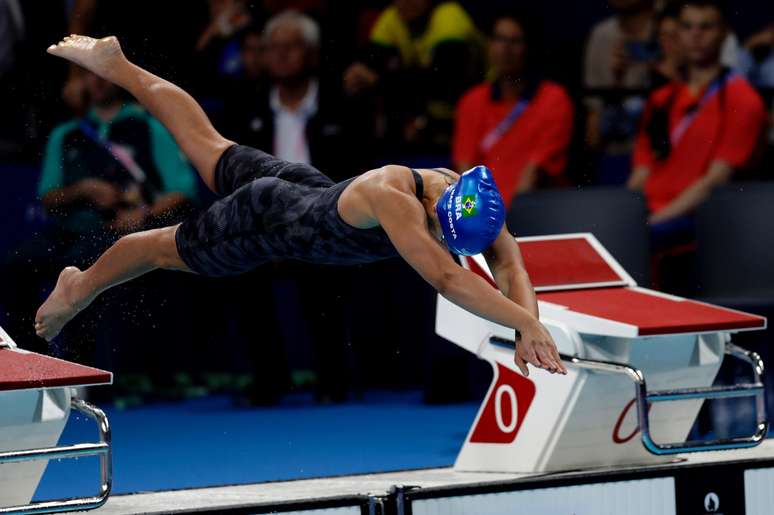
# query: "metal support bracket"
{"points": [[643, 398], [102, 449]]}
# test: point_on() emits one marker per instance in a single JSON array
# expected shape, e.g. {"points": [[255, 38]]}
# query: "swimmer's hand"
{"points": [[537, 347]]}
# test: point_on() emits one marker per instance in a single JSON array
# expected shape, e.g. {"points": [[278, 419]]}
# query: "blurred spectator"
{"points": [[670, 54], [116, 167], [251, 54], [241, 90], [756, 58], [230, 42], [218, 51], [423, 55], [520, 124], [300, 117], [226, 18], [113, 171], [695, 133], [619, 55], [620, 48]]}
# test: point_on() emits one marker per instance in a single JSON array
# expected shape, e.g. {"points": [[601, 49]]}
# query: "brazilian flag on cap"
{"points": [[469, 205]]}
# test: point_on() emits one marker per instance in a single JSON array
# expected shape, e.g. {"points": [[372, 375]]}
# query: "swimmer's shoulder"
{"points": [[388, 179], [378, 184], [388, 185], [399, 179]]}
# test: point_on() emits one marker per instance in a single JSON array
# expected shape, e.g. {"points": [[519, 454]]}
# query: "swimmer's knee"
{"points": [[167, 256], [158, 246], [205, 157]]}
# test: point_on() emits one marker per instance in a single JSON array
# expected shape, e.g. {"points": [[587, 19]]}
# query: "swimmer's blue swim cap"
{"points": [[471, 212]]}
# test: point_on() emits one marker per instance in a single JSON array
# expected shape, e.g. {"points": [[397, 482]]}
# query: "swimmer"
{"points": [[269, 208]]}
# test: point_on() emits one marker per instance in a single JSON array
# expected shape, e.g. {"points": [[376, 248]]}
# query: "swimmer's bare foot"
{"points": [[100, 56], [62, 305]]}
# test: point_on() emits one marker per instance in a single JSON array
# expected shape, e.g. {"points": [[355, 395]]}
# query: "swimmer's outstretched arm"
{"points": [[405, 222], [510, 274], [172, 106], [131, 256]]}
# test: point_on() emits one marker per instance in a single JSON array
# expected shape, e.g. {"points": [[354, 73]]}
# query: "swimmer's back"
{"points": [[276, 209]]}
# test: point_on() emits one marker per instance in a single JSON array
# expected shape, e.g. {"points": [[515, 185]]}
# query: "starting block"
{"points": [[36, 398], [640, 362]]}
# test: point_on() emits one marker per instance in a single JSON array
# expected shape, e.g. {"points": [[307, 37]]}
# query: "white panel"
{"points": [[21, 427], [642, 497], [759, 491], [5, 340], [351, 510]]}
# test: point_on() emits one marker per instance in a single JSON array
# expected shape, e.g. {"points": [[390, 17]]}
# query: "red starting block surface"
{"points": [[652, 314], [23, 370], [570, 262]]}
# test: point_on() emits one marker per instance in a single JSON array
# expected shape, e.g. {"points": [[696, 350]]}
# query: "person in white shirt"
{"points": [[291, 43]]}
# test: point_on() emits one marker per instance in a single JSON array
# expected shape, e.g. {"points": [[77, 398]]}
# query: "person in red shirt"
{"points": [[518, 125], [697, 131]]}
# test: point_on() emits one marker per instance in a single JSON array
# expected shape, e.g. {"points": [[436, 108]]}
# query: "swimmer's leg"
{"points": [[172, 106], [131, 256]]}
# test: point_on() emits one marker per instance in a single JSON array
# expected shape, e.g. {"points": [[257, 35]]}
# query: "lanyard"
{"points": [[119, 152], [687, 120], [493, 136], [123, 155]]}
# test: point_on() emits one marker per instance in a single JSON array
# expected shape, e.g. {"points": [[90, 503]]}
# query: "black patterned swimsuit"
{"points": [[271, 208]]}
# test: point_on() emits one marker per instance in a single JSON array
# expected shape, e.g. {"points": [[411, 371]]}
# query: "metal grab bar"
{"points": [[642, 397], [102, 449], [755, 389]]}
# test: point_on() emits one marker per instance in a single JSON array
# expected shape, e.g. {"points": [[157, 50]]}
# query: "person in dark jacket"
{"points": [[283, 104]]}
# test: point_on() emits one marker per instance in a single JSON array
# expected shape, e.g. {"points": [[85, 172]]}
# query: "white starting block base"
{"points": [[444, 491], [31, 419], [640, 364]]}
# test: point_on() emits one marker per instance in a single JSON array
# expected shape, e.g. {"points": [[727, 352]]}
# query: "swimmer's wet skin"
{"points": [[271, 208]]}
